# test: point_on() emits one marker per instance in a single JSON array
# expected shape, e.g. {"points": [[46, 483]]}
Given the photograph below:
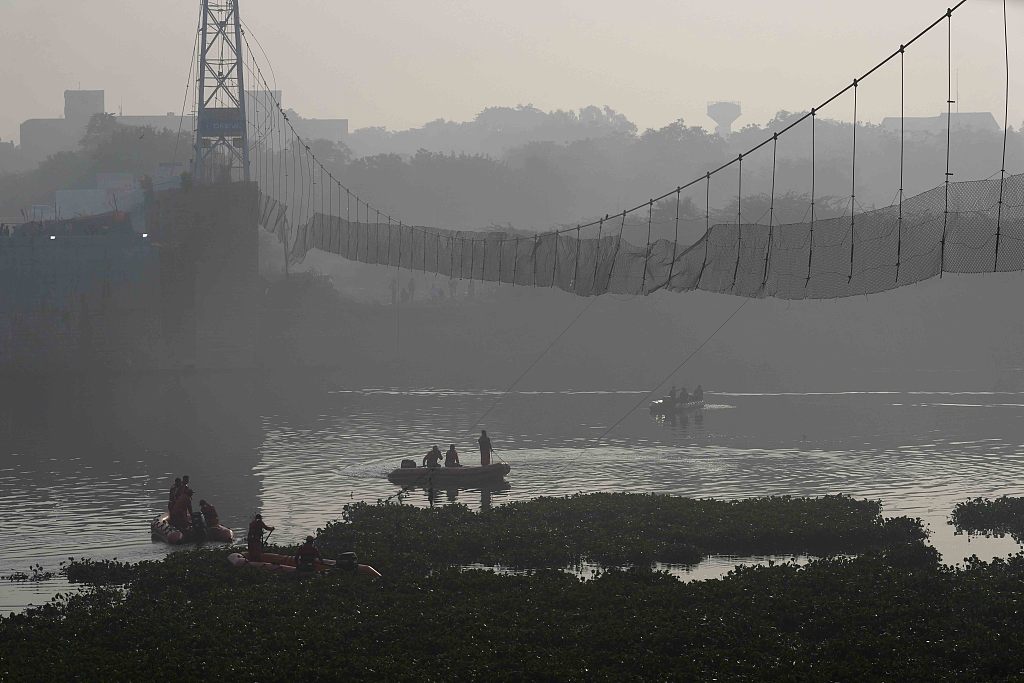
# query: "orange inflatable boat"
{"points": [[163, 530], [285, 564]]}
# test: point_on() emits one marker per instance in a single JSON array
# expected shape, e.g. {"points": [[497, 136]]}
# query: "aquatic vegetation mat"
{"points": [[612, 530], [1003, 515]]}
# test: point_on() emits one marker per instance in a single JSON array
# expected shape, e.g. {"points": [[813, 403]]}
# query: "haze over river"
{"points": [[83, 470]]}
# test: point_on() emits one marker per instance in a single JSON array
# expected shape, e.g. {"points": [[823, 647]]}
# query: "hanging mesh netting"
{"points": [[959, 228]]}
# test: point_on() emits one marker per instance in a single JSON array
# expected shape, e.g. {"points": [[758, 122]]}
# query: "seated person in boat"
{"points": [[698, 393], [684, 397], [209, 513], [254, 539], [451, 457], [307, 555], [432, 458]]}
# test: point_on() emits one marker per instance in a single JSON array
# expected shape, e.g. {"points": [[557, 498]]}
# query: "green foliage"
{"points": [[840, 619], [1004, 515], [612, 530]]}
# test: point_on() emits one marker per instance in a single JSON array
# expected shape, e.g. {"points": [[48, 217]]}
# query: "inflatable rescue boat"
{"points": [[285, 564], [163, 530], [448, 477]]}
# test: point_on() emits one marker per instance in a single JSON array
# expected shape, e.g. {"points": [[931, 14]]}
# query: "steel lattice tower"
{"points": [[222, 141]]}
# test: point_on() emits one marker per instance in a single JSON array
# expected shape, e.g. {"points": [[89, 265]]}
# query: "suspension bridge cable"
{"points": [[899, 217], [1006, 128], [949, 127], [728, 163], [853, 182], [188, 86]]}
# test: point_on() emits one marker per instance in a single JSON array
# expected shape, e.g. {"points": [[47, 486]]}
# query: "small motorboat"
{"points": [[163, 530], [285, 564], [665, 407], [448, 477]]}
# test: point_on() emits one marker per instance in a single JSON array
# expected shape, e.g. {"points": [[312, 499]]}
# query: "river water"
{"points": [[84, 468]]}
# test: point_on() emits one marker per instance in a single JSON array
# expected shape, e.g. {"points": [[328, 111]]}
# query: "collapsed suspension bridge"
{"points": [[957, 227]]}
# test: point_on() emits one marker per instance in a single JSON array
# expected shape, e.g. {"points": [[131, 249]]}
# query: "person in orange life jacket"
{"points": [[255, 537], [306, 555], [173, 494], [209, 513], [451, 458], [485, 449], [432, 458], [181, 516]]}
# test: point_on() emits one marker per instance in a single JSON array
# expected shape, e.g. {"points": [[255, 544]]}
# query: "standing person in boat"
{"points": [[698, 393], [173, 495], [185, 488], [209, 513], [485, 449], [451, 458], [684, 397], [255, 537], [181, 516], [307, 555], [433, 457]]}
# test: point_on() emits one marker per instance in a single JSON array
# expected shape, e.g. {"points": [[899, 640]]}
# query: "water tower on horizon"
{"points": [[724, 113]]}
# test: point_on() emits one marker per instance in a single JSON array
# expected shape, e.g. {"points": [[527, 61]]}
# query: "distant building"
{"points": [[724, 114], [982, 121], [42, 138]]}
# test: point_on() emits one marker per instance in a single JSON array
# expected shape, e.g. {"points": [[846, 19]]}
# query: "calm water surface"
{"points": [[82, 471]]}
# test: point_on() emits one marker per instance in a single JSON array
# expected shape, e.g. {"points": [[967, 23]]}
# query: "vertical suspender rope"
{"points": [[376, 228], [501, 248], [853, 181], [515, 262], [647, 252], [771, 213], [810, 238], [576, 268], [472, 259], [389, 240], [949, 118], [536, 243], [707, 226], [451, 257], [615, 256], [739, 223], [437, 255], [424, 250], [1006, 121], [675, 242], [899, 215], [399, 245], [554, 267], [597, 255], [348, 222]]}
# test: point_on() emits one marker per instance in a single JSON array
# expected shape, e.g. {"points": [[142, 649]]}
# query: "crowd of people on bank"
{"points": [[451, 456]]}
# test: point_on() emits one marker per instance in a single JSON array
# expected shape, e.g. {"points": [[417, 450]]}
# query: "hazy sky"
{"points": [[399, 64]]}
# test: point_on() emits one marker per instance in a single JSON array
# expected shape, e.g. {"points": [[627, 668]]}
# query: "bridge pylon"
{"points": [[221, 145]]}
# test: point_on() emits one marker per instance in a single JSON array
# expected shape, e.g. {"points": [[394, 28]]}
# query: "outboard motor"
{"points": [[347, 561], [198, 526]]}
